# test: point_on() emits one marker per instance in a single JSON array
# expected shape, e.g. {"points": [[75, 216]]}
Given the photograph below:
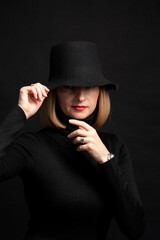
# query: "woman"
{"points": [[76, 178]]}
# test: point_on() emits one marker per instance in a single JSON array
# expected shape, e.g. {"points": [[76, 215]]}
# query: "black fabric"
{"points": [[70, 127], [76, 63], [69, 195]]}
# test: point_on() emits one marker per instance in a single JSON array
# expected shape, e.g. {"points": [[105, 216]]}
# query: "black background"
{"points": [[127, 33]]}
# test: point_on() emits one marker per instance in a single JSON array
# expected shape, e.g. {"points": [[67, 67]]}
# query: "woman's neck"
{"points": [[70, 127]]}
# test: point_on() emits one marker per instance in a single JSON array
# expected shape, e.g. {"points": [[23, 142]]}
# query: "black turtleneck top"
{"points": [[70, 196]]}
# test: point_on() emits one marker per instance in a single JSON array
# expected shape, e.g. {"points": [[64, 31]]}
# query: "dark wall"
{"points": [[127, 33]]}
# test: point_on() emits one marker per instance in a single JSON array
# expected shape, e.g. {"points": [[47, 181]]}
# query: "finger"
{"points": [[45, 88], [39, 92], [83, 147], [83, 124], [43, 92], [42, 86], [31, 90], [78, 132], [78, 140]]}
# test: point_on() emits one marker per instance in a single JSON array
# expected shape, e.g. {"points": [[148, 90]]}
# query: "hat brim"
{"points": [[55, 83]]}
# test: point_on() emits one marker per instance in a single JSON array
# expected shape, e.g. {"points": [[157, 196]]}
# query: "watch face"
{"points": [[111, 155]]}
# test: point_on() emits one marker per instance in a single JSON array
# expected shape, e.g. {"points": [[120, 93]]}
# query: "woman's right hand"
{"points": [[31, 98]]}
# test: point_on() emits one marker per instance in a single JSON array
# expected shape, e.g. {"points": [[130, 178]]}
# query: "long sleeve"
{"points": [[16, 152], [10, 126], [127, 207]]}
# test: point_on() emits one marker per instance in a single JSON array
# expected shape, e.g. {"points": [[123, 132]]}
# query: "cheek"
{"points": [[64, 101], [95, 97]]}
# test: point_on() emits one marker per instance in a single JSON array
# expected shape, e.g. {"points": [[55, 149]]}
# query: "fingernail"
{"points": [[70, 120]]}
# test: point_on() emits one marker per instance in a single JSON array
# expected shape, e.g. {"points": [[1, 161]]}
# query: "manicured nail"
{"points": [[70, 120]]}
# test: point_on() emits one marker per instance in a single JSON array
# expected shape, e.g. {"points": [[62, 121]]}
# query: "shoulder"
{"points": [[31, 135], [33, 139]]}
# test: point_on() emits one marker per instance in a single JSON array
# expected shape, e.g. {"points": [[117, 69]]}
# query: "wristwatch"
{"points": [[110, 156]]}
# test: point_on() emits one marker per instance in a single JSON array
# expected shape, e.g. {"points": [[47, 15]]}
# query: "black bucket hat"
{"points": [[76, 63]]}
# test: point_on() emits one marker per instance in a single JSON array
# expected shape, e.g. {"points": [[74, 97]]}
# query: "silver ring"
{"points": [[82, 140]]}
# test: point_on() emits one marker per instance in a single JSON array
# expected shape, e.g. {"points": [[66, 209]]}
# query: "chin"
{"points": [[79, 115]]}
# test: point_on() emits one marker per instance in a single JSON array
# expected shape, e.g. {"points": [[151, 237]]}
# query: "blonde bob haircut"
{"points": [[49, 118]]}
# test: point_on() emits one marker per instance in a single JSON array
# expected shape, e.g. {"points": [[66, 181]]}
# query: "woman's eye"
{"points": [[72, 87], [68, 87]]}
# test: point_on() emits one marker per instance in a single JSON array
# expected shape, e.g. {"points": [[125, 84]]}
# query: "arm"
{"points": [[10, 127], [16, 154], [117, 174], [127, 206]]}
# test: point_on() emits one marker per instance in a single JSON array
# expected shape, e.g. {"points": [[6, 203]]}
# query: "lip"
{"points": [[79, 108]]}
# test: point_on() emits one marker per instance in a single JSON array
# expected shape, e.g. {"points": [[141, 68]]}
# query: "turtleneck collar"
{"points": [[70, 127], [60, 134]]}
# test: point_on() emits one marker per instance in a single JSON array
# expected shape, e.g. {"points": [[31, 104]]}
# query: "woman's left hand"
{"points": [[92, 142]]}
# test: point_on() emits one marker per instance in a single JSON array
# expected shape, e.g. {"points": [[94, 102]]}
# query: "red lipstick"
{"points": [[79, 108]]}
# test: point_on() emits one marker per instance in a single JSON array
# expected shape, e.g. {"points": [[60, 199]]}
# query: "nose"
{"points": [[80, 94]]}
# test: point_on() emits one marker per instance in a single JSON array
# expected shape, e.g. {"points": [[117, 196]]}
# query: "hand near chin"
{"points": [[91, 143]]}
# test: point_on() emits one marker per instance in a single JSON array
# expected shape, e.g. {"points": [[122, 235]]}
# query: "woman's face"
{"points": [[77, 102]]}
